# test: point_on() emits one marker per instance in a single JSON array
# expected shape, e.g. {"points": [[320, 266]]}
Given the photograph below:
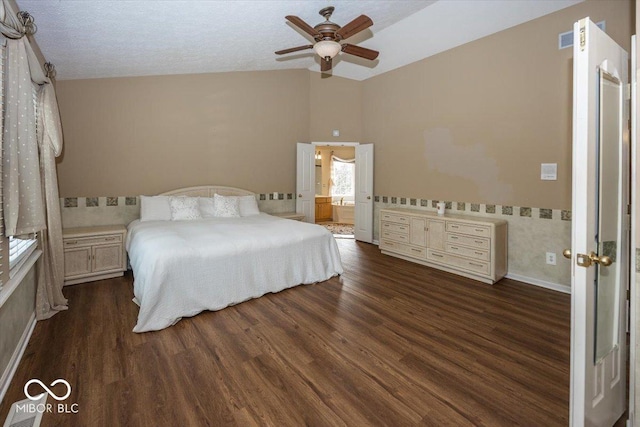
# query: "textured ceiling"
{"points": [[114, 38]]}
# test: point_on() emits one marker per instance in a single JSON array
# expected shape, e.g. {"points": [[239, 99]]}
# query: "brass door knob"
{"points": [[567, 253], [368, 197], [604, 260], [300, 196]]}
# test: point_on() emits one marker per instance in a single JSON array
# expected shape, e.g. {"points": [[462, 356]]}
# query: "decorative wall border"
{"points": [[89, 202], [476, 208]]}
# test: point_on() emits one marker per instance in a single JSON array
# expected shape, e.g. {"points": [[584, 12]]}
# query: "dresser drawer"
{"points": [[458, 262], [476, 242], [392, 217], [401, 238], [412, 251], [468, 252], [474, 230], [395, 228], [88, 241]]}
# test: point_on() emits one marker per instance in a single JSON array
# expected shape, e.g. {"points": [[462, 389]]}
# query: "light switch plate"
{"points": [[549, 171]]}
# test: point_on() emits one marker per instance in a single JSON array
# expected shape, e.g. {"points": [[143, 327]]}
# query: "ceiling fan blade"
{"points": [[303, 26], [362, 22], [293, 49], [325, 65], [362, 52]]}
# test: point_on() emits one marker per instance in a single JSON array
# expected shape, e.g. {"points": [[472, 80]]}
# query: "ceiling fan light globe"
{"points": [[327, 48]]}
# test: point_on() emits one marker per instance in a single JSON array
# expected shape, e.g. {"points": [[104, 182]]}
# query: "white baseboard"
{"points": [[12, 367], [542, 283]]}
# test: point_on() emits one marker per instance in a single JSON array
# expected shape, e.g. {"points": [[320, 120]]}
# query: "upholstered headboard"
{"points": [[208, 191]]}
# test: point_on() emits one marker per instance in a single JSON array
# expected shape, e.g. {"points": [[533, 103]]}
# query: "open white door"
{"points": [[599, 235], [364, 193], [305, 182]]}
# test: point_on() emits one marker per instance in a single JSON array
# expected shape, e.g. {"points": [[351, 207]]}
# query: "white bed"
{"points": [[182, 268]]}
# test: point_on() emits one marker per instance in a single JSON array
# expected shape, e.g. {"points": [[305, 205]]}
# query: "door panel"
{"points": [[435, 235], [599, 190], [364, 193], [305, 181]]}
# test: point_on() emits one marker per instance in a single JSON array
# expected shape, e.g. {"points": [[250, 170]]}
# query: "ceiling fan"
{"points": [[327, 36]]}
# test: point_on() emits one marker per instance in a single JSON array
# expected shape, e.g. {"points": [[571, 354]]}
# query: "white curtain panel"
{"points": [[49, 297], [31, 201], [23, 204]]}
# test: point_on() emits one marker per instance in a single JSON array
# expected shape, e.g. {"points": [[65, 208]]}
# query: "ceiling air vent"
{"points": [[566, 39]]}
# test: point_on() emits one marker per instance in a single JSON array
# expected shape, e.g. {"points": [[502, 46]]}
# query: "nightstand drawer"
{"points": [[93, 253], [88, 241]]}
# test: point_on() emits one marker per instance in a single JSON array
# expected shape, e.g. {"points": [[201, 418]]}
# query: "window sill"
{"points": [[19, 273]]}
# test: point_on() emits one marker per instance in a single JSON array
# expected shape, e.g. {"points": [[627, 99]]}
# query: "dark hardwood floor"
{"points": [[388, 343]]}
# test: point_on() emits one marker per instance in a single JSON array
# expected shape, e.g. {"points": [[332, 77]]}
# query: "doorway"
{"points": [[335, 173], [363, 185]]}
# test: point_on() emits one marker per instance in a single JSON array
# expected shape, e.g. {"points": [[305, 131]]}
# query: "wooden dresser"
{"points": [[324, 209], [466, 245], [93, 253]]}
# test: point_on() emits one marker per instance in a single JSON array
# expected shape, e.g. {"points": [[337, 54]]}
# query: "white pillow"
{"points": [[184, 208], [226, 207], [248, 206], [207, 207], [155, 208]]}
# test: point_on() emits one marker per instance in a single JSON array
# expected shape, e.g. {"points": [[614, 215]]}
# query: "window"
{"points": [[343, 177], [19, 251]]}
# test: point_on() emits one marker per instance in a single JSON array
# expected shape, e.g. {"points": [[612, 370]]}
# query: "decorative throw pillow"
{"points": [[226, 207], [155, 208], [207, 207], [248, 206], [184, 208]]}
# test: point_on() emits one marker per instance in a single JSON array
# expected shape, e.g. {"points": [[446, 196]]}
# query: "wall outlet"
{"points": [[551, 258], [336, 132]]}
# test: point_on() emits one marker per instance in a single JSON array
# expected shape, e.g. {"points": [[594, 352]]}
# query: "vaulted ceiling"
{"points": [[114, 38]]}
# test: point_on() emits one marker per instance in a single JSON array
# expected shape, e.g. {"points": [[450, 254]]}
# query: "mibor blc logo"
{"points": [[47, 389], [59, 408]]}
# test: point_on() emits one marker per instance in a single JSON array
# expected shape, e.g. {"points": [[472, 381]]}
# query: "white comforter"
{"points": [[184, 267]]}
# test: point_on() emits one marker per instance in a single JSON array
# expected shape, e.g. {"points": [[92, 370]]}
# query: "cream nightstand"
{"points": [[290, 215], [93, 253]]}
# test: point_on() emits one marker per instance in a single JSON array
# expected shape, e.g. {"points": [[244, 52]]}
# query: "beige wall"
{"points": [[16, 317], [474, 123], [145, 135], [336, 103], [471, 124]]}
